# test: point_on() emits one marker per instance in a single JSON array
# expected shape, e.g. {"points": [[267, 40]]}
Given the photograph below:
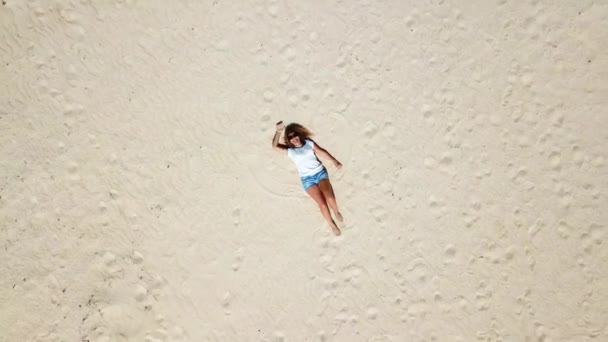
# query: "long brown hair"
{"points": [[303, 132]]}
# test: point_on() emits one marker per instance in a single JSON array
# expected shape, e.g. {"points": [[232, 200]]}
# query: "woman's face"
{"points": [[294, 139]]}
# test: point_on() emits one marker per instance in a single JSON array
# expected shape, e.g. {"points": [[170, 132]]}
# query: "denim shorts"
{"points": [[310, 181]]}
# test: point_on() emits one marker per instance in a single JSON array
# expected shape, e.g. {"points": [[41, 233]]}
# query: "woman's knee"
{"points": [[323, 204]]}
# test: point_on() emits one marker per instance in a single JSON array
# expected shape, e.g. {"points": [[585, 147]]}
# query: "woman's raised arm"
{"points": [[275, 140]]}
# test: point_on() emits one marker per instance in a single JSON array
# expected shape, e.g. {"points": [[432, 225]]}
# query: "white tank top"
{"points": [[305, 159]]}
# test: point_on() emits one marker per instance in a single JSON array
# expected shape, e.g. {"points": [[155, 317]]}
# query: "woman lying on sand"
{"points": [[315, 180]]}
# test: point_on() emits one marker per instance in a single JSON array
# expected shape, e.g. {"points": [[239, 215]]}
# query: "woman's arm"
{"points": [[275, 140], [325, 154]]}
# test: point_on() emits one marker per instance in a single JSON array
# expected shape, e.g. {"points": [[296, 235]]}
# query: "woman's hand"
{"points": [[337, 164], [280, 126]]}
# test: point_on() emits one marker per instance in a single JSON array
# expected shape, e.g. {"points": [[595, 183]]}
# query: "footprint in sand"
{"points": [[483, 296], [449, 254], [236, 265], [372, 313]]}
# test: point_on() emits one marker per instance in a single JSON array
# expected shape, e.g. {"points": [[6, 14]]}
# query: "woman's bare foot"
{"points": [[339, 216], [336, 230]]}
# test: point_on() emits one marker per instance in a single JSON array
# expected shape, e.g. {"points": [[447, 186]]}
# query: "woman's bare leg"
{"points": [[328, 192], [317, 195]]}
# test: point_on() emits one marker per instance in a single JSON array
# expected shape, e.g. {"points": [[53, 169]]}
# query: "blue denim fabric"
{"points": [[310, 181]]}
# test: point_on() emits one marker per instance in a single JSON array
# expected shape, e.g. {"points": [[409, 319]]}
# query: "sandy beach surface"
{"points": [[140, 198]]}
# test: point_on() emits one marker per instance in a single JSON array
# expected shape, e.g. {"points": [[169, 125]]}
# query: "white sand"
{"points": [[141, 199]]}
